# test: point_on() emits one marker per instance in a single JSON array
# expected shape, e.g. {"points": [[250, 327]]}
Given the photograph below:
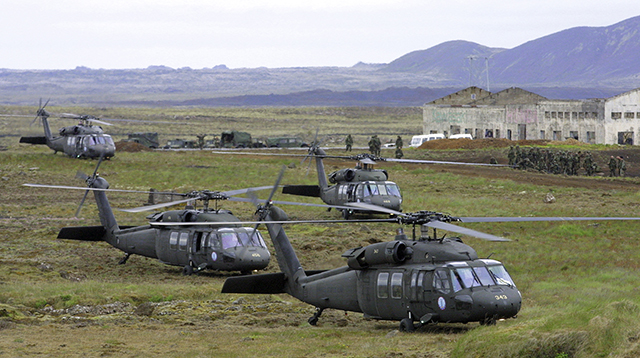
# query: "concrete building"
{"points": [[518, 114]]}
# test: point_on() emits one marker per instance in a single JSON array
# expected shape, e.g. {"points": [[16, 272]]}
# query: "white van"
{"points": [[417, 140], [460, 136]]}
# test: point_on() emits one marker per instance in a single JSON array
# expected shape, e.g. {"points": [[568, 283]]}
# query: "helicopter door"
{"points": [[198, 247], [391, 299]]}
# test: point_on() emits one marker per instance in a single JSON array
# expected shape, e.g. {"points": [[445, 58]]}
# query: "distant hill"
{"points": [[577, 63]]}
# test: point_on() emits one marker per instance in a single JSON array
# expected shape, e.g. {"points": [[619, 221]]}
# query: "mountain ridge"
{"points": [[579, 61]]}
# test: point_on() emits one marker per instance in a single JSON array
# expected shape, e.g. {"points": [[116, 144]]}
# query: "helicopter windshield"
{"points": [[233, 238], [380, 188], [463, 276], [393, 189]]}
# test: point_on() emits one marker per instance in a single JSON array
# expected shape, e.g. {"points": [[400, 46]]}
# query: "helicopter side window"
{"points": [[484, 276], [441, 281], [229, 239], [393, 190], [396, 285], [173, 240], [501, 275], [90, 141], [182, 243], [465, 277], [383, 283]]}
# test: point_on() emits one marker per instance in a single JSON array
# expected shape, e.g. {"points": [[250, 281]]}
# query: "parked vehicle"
{"points": [[417, 140], [461, 136], [149, 139], [285, 142]]}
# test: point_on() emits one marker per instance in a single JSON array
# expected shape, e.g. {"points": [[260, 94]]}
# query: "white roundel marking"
{"points": [[442, 303], [214, 256]]}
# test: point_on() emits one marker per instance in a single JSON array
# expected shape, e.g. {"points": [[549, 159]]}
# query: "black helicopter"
{"points": [[228, 246], [362, 184], [426, 279], [84, 140]]}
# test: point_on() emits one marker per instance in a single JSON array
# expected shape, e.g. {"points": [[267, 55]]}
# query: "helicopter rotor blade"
{"points": [[263, 211], [41, 111], [157, 206], [372, 207], [463, 230], [541, 218], [95, 120]]}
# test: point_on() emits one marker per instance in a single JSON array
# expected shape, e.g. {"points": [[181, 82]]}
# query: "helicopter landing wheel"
{"points": [[406, 325], [346, 214], [187, 270], [313, 320]]}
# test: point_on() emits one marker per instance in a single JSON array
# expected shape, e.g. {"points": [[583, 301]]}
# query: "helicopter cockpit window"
{"points": [[229, 239], [382, 189], [501, 275], [441, 282], [374, 189], [89, 141], [465, 277], [256, 240], [109, 140], [484, 276], [393, 189], [100, 140]]}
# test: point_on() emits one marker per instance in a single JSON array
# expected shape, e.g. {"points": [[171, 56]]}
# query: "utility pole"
{"points": [[471, 58], [486, 65]]}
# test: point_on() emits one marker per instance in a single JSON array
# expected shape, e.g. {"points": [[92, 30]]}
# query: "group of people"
{"points": [[617, 166], [553, 162], [375, 145]]}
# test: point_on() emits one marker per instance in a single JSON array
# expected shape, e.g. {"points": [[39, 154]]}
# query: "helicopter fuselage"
{"points": [[77, 141], [194, 247]]}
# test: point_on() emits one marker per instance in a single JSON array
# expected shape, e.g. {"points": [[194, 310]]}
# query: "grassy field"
{"points": [[579, 281]]}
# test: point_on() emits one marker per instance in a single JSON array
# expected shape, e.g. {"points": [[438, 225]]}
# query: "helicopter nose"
{"points": [[254, 257], [387, 201], [499, 302]]}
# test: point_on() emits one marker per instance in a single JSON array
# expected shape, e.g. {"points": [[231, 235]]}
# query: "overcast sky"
{"points": [[115, 34]]}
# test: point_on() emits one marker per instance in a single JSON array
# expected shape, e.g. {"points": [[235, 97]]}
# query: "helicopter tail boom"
{"points": [[268, 283], [302, 190], [34, 140]]}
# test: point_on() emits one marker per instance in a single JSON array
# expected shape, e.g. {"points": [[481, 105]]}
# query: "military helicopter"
{"points": [[84, 140], [228, 246], [360, 184], [415, 281]]}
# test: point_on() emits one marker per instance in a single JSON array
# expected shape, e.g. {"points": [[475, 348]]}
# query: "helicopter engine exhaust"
{"points": [[394, 252]]}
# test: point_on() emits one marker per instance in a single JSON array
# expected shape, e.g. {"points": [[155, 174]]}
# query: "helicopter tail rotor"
{"points": [[41, 113], [89, 180]]}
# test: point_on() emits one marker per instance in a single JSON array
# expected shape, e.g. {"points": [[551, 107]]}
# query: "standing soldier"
{"points": [[622, 166], [374, 145], [349, 143], [201, 140], [399, 143], [613, 166], [511, 156]]}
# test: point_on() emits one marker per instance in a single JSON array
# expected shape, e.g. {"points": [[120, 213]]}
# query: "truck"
{"points": [[148, 139], [237, 139]]}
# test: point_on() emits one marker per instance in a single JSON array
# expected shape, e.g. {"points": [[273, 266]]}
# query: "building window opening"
{"points": [[573, 134]]}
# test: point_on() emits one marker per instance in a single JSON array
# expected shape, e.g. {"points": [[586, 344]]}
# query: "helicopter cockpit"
{"points": [[381, 193], [456, 276], [240, 237], [98, 139]]}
